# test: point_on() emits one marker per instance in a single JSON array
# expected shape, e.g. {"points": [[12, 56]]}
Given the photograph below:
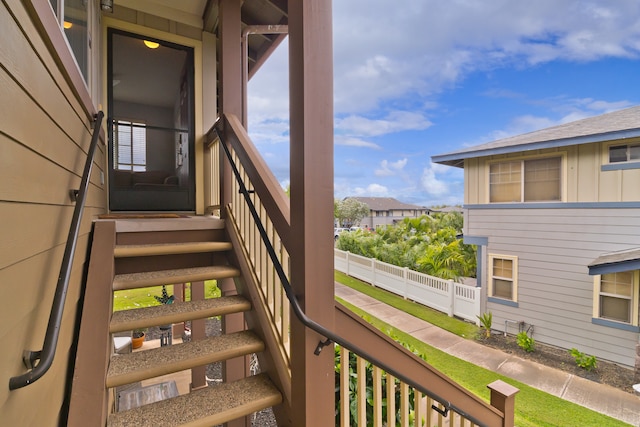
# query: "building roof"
{"points": [[387, 204], [615, 262], [606, 127]]}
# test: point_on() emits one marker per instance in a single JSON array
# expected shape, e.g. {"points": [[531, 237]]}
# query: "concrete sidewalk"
{"points": [[598, 397]]}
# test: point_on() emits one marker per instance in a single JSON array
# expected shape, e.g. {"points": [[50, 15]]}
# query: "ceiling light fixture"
{"points": [[151, 45], [106, 5], [66, 25]]}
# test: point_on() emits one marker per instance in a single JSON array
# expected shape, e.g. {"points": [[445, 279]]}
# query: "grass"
{"points": [[534, 408], [144, 297], [455, 326]]}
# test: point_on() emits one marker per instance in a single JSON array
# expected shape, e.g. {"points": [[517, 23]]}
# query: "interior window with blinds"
{"points": [[130, 146], [533, 180], [616, 296]]}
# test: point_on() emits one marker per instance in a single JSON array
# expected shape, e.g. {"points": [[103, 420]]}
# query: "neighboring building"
{"points": [[388, 211], [556, 217]]}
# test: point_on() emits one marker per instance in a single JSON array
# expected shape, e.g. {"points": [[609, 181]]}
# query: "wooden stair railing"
{"points": [[254, 198]]}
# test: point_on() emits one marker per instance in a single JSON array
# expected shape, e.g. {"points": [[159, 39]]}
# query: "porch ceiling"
{"points": [[204, 14]]}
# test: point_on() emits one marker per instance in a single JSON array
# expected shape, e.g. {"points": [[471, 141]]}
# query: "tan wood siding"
{"points": [[44, 138], [555, 291]]}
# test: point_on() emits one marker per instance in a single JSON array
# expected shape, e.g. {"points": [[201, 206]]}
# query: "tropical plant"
{"points": [[583, 360], [486, 320], [526, 342], [165, 298]]}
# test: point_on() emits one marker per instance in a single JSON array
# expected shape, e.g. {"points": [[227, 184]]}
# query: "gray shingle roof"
{"points": [[386, 203], [616, 125]]}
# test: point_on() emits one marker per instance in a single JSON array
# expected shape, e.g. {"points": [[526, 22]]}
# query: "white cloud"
{"points": [[395, 121], [355, 142], [390, 168], [431, 183], [371, 190]]}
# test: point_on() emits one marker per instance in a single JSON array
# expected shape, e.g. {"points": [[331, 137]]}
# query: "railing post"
{"points": [[503, 398]]}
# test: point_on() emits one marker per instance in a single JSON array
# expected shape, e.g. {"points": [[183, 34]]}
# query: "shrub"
{"points": [[583, 360], [486, 320], [526, 342]]}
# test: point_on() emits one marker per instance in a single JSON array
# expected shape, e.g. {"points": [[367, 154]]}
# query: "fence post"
{"points": [[452, 297], [373, 271], [476, 304], [348, 263], [503, 398], [406, 282]]}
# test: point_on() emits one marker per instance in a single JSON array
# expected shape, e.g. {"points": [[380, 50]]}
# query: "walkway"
{"points": [[598, 397]]}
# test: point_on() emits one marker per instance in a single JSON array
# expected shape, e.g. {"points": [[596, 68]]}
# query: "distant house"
{"points": [[387, 211], [556, 217]]}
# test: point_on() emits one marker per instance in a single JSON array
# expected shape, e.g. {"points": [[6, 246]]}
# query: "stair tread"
{"points": [[141, 365], [123, 251], [206, 407], [180, 311], [165, 277]]}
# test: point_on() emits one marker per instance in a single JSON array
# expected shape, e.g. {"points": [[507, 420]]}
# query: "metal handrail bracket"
{"points": [[44, 357]]}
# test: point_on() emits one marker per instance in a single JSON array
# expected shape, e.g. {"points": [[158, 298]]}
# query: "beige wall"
{"points": [[44, 135], [583, 179]]}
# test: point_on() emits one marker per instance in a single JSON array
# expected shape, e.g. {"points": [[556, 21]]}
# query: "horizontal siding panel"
{"points": [[17, 121], [43, 181], [36, 229], [555, 291]]}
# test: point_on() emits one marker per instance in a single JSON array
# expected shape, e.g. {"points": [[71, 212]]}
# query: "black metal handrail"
{"points": [[312, 324], [46, 355]]}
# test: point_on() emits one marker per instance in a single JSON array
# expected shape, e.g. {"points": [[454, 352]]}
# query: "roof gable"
{"points": [[606, 127]]}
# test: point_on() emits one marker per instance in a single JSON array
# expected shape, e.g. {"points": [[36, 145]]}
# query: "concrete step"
{"points": [[142, 365], [128, 320], [166, 277], [206, 407], [125, 251]]}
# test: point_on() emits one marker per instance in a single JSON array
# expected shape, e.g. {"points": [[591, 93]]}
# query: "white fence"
{"points": [[454, 299]]}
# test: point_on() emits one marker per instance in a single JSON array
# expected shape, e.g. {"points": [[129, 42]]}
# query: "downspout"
{"points": [[253, 29]]}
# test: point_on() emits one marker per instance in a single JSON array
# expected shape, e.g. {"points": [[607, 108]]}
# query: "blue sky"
{"points": [[425, 77]]}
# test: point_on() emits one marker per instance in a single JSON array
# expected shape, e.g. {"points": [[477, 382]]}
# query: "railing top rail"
{"points": [[46, 355], [310, 323]]}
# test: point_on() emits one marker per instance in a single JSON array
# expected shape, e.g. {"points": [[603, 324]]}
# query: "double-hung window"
{"points": [[130, 146], [615, 296], [73, 16], [503, 277], [533, 180]]}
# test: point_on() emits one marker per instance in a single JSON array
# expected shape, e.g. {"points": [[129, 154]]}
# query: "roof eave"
{"points": [[457, 158]]}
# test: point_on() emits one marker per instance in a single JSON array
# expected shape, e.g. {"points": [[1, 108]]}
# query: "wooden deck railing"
{"points": [[378, 366]]}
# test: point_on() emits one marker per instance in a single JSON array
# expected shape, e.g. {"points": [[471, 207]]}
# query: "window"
{"points": [[533, 180], [130, 146], [624, 153], [73, 17], [503, 277], [616, 293]]}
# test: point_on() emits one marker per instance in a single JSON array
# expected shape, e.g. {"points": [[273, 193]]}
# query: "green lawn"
{"points": [[455, 326], [533, 407], [144, 297]]}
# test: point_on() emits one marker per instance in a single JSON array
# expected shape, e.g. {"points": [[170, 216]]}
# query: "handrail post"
{"points": [[46, 355], [503, 398]]}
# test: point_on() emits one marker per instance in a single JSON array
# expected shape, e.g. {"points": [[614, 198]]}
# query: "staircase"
{"points": [[144, 258]]}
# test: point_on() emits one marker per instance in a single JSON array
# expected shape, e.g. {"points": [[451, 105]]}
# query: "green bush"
{"points": [[526, 342], [583, 360]]}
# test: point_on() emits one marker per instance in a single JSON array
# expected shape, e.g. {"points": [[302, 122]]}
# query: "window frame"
{"points": [[50, 28], [491, 277], [522, 160], [633, 301], [628, 159]]}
